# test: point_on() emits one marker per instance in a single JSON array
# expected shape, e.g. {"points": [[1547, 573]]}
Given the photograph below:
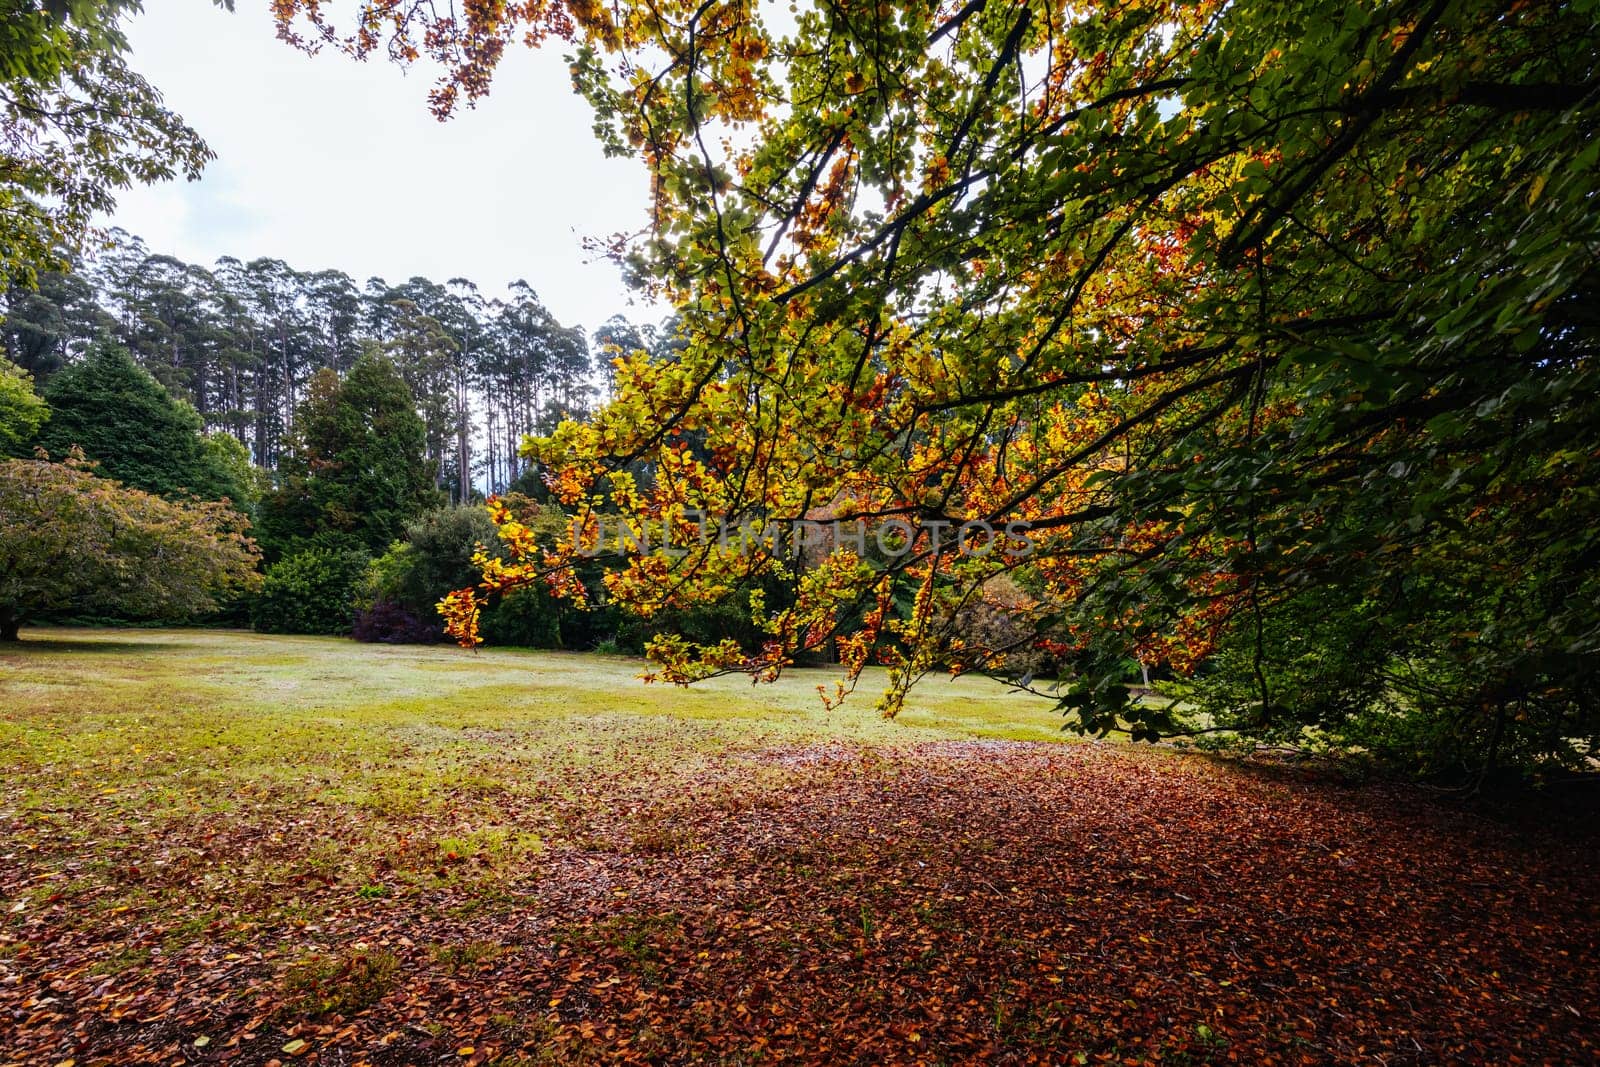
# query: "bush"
{"points": [[403, 586], [436, 557], [1004, 620], [391, 624], [310, 593], [704, 624], [526, 618]]}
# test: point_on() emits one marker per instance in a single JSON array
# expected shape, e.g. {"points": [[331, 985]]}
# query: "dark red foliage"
{"points": [[391, 624]]}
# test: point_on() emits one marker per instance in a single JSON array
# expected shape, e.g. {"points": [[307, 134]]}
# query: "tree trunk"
{"points": [[1494, 744], [10, 625], [463, 432]]}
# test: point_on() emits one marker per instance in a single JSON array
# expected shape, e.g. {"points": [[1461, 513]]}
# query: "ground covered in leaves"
{"points": [[236, 849]]}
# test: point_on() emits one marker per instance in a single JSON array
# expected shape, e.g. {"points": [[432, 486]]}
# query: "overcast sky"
{"points": [[328, 163]]}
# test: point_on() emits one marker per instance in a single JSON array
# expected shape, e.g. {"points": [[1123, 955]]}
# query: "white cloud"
{"points": [[328, 163]]}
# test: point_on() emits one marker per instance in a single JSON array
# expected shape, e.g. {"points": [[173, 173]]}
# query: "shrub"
{"points": [[704, 624], [310, 593], [403, 585], [391, 624], [526, 618], [435, 557]]}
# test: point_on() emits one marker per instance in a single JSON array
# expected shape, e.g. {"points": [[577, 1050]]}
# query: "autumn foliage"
{"points": [[1251, 311], [961, 902], [71, 538]]}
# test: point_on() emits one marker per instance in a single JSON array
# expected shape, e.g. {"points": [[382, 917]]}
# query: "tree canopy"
{"points": [[240, 341], [124, 420], [79, 125], [1249, 310]]}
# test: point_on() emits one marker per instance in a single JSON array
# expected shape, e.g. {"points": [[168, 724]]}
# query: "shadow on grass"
{"points": [[89, 645], [1562, 805]]}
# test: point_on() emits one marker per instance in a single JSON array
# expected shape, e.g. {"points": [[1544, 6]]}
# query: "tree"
{"points": [[407, 582], [223, 453], [22, 412], [1229, 302], [242, 341], [125, 421], [533, 372], [169, 320], [79, 125], [384, 451], [46, 327], [355, 472], [435, 558], [335, 307], [70, 539], [424, 353]]}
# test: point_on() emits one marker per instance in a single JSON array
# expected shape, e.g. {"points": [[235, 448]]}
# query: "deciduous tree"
{"points": [[76, 126], [1231, 302], [71, 540]]}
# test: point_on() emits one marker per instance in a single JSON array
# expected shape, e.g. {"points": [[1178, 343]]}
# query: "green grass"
{"points": [[246, 671], [150, 703], [249, 766]]}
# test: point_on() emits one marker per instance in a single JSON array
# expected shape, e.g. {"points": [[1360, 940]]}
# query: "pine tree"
{"points": [[124, 420], [356, 470]]}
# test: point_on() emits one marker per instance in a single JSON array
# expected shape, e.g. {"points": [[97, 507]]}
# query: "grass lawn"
{"points": [[227, 847]]}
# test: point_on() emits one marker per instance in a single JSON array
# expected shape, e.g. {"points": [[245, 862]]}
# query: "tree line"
{"points": [[117, 505], [242, 341], [318, 453]]}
